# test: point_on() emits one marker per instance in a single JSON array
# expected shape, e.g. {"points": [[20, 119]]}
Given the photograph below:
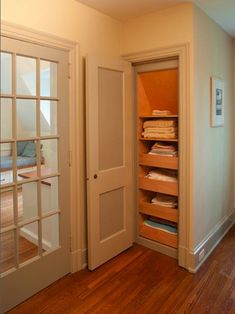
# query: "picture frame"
{"points": [[217, 102]]}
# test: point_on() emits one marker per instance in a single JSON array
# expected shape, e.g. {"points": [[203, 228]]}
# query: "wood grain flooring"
{"points": [[143, 281], [27, 250], [7, 208]]}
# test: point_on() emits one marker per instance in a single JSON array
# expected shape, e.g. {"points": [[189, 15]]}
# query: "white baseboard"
{"points": [[84, 258], [78, 260], [33, 237], [209, 243], [164, 249], [78, 257]]}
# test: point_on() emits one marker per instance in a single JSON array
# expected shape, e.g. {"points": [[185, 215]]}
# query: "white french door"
{"points": [[109, 158], [34, 169]]}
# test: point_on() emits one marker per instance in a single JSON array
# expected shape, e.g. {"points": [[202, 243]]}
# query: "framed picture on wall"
{"points": [[217, 102]]}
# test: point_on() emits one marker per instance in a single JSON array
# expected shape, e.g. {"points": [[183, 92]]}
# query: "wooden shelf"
{"points": [[158, 139], [156, 90], [158, 161], [158, 235], [162, 212], [170, 188], [160, 116]]}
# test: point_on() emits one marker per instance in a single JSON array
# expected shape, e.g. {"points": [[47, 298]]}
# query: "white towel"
{"points": [[162, 175]]}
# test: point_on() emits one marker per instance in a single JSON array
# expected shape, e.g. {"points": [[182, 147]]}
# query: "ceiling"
{"points": [[222, 11]]}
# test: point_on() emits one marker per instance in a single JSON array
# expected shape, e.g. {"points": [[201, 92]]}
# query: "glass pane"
{"points": [[49, 190], [111, 213], [48, 117], [28, 242], [26, 118], [26, 159], [6, 207], [6, 161], [7, 249], [48, 78], [27, 197], [49, 155], [111, 128], [50, 232], [6, 73], [25, 76], [6, 118]]}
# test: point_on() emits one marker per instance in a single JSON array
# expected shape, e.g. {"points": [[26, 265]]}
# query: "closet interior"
{"points": [[158, 152]]}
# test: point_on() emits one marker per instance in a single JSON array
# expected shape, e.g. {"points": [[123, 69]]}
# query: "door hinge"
{"points": [[70, 158], [69, 70]]}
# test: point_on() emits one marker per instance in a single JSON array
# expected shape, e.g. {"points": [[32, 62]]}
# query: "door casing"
{"points": [[185, 145]]}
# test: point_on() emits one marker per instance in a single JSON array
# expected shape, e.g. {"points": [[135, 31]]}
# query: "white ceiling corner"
{"points": [[221, 11]]}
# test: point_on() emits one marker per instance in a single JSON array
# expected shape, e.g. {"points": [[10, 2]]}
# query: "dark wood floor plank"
{"points": [[141, 281]]}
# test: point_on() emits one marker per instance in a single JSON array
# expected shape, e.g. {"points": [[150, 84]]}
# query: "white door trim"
{"points": [[185, 113], [22, 33]]}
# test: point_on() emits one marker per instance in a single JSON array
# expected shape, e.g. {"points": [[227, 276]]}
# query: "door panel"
{"points": [[109, 159], [34, 170]]}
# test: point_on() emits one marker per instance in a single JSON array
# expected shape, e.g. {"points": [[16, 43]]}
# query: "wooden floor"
{"points": [[143, 281], [27, 250]]}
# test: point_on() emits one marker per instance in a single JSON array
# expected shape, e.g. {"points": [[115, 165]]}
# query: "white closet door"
{"points": [[109, 159]]}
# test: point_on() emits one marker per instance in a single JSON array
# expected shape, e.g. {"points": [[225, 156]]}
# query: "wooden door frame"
{"points": [[25, 34], [182, 52]]}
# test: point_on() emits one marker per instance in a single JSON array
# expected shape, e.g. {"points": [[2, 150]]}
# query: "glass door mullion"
{"points": [[38, 148], [14, 157], [7, 96]]}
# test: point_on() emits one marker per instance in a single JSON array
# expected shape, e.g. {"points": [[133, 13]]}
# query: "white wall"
{"points": [[212, 147]]}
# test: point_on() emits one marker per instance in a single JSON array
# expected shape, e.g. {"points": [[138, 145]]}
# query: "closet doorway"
{"points": [[35, 206], [119, 195]]}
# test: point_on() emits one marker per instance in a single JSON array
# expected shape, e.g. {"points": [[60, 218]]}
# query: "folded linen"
{"points": [[159, 123], [156, 112], [165, 146], [162, 175], [165, 200], [160, 135], [161, 226], [162, 153], [161, 130], [163, 149]]}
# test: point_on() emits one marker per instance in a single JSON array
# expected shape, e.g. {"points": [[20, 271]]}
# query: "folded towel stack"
{"points": [[163, 175], [160, 128], [165, 200], [161, 225], [156, 112], [163, 149]]}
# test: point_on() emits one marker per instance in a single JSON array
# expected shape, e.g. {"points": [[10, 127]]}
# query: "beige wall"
{"points": [[163, 28], [212, 147], [210, 54], [96, 33], [234, 121]]}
